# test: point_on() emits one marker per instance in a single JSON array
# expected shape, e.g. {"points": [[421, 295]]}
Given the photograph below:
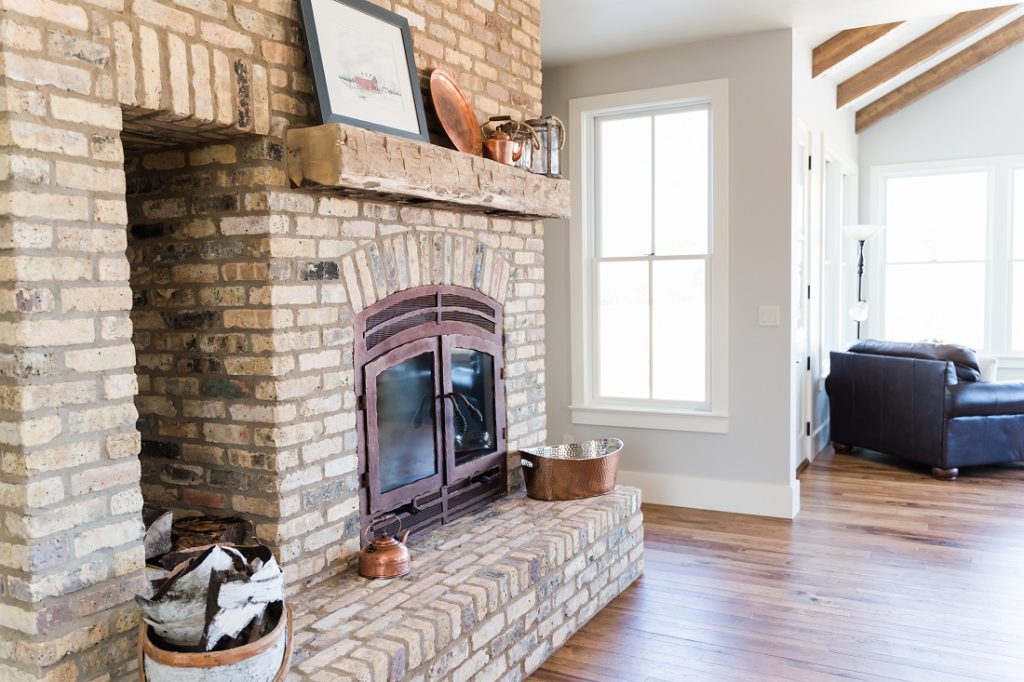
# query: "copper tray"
{"points": [[573, 471], [455, 112]]}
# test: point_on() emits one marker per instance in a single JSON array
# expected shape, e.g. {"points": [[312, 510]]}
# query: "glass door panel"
{"points": [[406, 422], [472, 404]]}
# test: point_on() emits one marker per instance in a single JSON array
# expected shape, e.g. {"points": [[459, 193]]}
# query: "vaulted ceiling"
{"points": [[883, 68]]}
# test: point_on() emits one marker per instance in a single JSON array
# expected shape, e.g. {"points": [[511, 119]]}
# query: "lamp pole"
{"points": [[860, 280], [861, 233]]}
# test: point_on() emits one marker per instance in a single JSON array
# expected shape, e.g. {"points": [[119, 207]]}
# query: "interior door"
{"points": [[403, 396], [801, 389]]}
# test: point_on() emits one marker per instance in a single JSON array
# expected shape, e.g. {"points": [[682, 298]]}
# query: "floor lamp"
{"points": [[861, 233]]}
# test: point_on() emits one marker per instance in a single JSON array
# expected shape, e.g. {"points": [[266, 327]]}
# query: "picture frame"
{"points": [[363, 67]]}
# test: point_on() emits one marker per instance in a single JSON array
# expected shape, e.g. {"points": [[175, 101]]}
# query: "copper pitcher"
{"points": [[386, 556], [500, 146]]}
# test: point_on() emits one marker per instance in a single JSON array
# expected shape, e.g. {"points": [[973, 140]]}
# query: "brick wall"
{"points": [[70, 549], [75, 77], [210, 68]]}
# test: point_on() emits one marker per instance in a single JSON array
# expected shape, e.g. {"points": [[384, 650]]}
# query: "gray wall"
{"points": [[749, 468]]}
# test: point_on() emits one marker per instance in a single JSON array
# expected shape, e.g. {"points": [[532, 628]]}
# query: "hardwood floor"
{"points": [[886, 574]]}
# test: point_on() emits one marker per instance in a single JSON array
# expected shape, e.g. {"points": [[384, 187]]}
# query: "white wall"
{"points": [[980, 114], [748, 469]]}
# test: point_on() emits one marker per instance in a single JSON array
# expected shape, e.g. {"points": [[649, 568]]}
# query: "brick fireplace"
{"points": [[179, 284]]}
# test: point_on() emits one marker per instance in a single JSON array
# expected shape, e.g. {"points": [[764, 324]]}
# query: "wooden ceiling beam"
{"points": [[845, 44], [948, 33], [929, 81]]}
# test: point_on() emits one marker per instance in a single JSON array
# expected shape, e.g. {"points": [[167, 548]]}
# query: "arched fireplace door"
{"points": [[431, 406]]}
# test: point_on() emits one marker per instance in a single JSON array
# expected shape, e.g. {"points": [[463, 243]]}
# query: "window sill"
{"points": [[660, 420], [1010, 362]]}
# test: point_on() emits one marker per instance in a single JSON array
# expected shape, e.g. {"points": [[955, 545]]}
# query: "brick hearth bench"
{"points": [[490, 596]]}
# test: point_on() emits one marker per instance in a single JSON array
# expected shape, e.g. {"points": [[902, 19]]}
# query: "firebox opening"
{"points": [[198, 366]]}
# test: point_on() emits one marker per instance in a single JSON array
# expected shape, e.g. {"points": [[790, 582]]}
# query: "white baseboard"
{"points": [[738, 497], [821, 439]]}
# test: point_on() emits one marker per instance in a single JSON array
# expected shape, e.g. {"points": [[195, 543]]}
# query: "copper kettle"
{"points": [[386, 556], [501, 146]]}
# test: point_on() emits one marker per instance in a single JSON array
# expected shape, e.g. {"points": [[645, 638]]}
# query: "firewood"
{"points": [[178, 611], [176, 557], [218, 597], [157, 576], [157, 540], [237, 599], [205, 530]]}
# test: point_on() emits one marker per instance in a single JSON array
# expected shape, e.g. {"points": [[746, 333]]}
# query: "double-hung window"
{"points": [[952, 254], [649, 258]]}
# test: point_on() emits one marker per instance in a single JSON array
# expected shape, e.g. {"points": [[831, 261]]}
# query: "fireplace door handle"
{"points": [[459, 417], [455, 397]]}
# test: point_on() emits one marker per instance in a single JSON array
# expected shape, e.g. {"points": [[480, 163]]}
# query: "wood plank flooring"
{"points": [[886, 574]]}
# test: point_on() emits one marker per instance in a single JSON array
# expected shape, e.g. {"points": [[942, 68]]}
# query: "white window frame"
{"points": [[998, 257], [587, 407], [840, 207]]}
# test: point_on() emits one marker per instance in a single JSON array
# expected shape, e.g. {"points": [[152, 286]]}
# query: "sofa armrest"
{"points": [[986, 399]]}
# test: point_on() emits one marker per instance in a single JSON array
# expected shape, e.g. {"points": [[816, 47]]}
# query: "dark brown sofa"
{"points": [[924, 402]]}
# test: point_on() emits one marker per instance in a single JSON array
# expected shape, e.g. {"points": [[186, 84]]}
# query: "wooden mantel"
{"points": [[355, 161]]}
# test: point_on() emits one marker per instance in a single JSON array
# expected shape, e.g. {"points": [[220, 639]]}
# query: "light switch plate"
{"points": [[768, 316]]}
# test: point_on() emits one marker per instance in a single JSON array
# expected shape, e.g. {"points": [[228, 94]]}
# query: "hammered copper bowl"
{"points": [[573, 471]]}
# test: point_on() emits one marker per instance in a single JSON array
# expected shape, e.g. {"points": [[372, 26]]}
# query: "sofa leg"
{"points": [[945, 474], [842, 448]]}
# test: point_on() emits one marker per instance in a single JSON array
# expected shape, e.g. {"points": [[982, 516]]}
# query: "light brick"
{"points": [[112, 535], [79, 110]]}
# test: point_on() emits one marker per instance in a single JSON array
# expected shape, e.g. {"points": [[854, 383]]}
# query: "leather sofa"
{"points": [[924, 402]]}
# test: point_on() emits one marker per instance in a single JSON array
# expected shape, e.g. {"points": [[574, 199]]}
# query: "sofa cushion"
{"points": [[964, 359], [986, 400]]}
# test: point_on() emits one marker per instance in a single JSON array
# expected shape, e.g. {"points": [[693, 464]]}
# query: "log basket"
{"points": [[229, 665], [573, 471]]}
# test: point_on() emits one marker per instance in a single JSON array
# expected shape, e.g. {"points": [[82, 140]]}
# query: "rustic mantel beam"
{"points": [[946, 34], [845, 44], [929, 81], [361, 162]]}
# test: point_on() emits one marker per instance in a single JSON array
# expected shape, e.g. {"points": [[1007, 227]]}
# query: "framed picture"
{"points": [[362, 63]]}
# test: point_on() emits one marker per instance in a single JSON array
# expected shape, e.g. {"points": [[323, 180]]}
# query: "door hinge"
{"points": [[807, 428], [360, 402], [504, 432], [501, 374], [364, 480], [809, 159], [808, 363], [808, 292]]}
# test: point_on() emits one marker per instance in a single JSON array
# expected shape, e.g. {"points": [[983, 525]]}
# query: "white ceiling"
{"points": [[575, 30]]}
